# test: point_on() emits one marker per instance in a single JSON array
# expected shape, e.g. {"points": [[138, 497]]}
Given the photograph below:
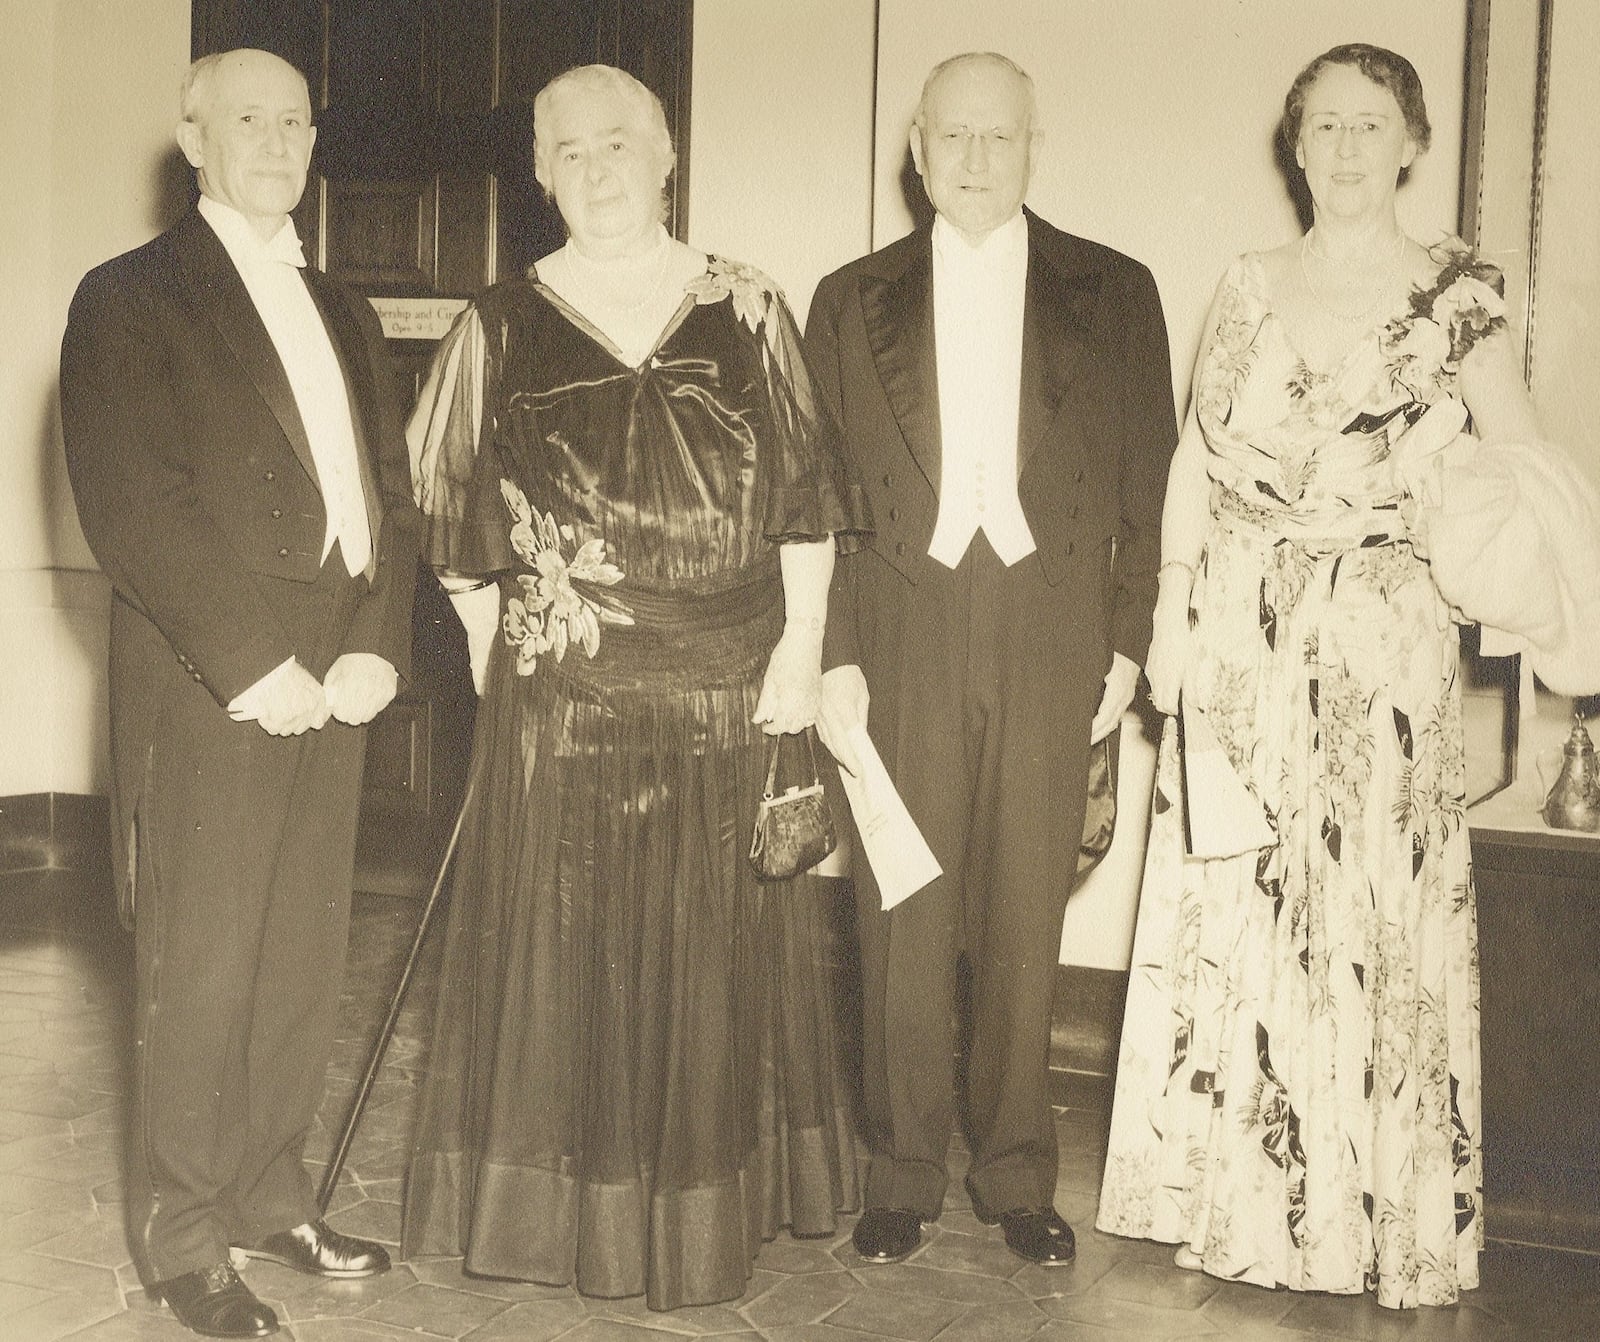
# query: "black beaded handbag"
{"points": [[794, 829], [1100, 814]]}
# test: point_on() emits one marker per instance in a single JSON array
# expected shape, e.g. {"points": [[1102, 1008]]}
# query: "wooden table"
{"points": [[1539, 951]]}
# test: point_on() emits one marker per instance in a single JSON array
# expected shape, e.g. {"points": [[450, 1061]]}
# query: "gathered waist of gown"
{"points": [[682, 635], [1329, 531]]}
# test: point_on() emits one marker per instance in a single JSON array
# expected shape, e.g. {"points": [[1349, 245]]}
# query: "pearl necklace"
{"points": [[586, 287], [1383, 291]]}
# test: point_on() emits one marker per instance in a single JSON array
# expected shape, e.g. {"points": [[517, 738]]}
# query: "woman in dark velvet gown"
{"points": [[634, 498]]}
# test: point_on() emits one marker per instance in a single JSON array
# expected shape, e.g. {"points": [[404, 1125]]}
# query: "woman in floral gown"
{"points": [[633, 497], [1297, 1097]]}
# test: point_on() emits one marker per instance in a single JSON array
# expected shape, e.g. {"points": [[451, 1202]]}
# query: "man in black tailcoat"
{"points": [[239, 468], [1005, 393]]}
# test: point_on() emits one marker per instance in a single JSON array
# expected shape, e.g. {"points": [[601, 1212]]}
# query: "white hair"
{"points": [[197, 79], [646, 107], [977, 58]]}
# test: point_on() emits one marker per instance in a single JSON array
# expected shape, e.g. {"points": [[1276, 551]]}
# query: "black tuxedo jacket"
{"points": [[193, 477], [1095, 434], [195, 484]]}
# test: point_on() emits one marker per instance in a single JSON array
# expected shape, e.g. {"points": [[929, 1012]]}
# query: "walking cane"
{"points": [[330, 1177]]}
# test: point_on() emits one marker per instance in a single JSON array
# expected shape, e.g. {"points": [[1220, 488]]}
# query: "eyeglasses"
{"points": [[963, 138], [1328, 129]]}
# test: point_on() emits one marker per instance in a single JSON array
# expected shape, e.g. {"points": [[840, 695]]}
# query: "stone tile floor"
{"points": [[65, 1270]]}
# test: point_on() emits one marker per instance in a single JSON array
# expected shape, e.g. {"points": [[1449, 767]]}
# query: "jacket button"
{"points": [[894, 514], [899, 547], [283, 553], [277, 512], [197, 675]]}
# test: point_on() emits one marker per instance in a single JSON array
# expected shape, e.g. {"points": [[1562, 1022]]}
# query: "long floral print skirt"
{"points": [[1298, 1088]]}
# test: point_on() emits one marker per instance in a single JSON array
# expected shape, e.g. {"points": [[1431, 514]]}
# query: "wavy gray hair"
{"points": [[607, 78]]}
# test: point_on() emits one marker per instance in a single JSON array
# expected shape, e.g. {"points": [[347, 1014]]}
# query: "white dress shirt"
{"points": [[272, 278], [978, 294]]}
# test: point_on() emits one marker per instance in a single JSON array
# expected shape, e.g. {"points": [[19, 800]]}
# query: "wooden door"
{"points": [[422, 192]]}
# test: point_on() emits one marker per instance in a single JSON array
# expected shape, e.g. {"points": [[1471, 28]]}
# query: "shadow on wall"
{"points": [[171, 193], [916, 196], [172, 189], [77, 595], [1294, 180]]}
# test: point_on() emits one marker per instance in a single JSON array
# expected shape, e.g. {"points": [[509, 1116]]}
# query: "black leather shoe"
{"points": [[215, 1303], [319, 1249], [1040, 1235], [887, 1234]]}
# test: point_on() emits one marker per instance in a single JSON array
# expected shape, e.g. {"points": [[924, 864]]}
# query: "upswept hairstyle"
{"points": [[646, 107], [1385, 68]]}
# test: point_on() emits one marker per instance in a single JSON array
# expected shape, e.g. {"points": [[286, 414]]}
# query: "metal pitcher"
{"points": [[1574, 799]]}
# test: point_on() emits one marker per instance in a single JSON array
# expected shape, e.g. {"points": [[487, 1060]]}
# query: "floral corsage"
{"points": [[1445, 320], [752, 291]]}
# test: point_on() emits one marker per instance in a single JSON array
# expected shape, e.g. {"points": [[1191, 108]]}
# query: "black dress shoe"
{"points": [[887, 1234], [215, 1303], [1039, 1235], [319, 1249]]}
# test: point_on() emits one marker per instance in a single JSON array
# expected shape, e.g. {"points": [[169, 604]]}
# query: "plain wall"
{"points": [[1566, 326], [781, 136], [89, 91]]}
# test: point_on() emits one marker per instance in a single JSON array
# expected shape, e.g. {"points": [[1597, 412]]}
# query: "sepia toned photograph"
{"points": [[800, 669]]}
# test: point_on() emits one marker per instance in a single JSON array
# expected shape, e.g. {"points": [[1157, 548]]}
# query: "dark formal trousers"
{"points": [[245, 847], [976, 664]]}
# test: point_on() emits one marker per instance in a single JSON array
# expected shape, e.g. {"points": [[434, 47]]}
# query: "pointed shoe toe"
{"points": [[320, 1250]]}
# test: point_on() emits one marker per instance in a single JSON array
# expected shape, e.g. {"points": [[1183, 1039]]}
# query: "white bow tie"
{"points": [[285, 247]]}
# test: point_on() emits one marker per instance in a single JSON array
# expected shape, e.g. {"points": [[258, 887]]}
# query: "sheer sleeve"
{"points": [[454, 478], [813, 490]]}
